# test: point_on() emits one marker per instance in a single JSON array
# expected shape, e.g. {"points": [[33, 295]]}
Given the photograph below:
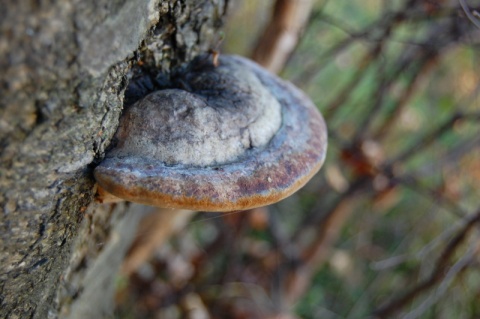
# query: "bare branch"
{"points": [[438, 274]]}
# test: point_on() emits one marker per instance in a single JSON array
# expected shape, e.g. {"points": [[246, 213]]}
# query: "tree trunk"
{"points": [[65, 66]]}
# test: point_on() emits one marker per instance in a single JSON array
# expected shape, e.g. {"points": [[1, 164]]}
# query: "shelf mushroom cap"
{"points": [[239, 138]]}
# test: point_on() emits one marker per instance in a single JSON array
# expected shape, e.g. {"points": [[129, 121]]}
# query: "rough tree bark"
{"points": [[64, 68]]}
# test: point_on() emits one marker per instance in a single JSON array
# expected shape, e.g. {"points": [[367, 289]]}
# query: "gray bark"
{"points": [[64, 68]]}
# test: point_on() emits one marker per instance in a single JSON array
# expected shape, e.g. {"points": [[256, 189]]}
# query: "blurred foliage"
{"points": [[398, 84]]}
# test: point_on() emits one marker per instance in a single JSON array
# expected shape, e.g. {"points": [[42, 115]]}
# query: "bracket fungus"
{"points": [[234, 137]]}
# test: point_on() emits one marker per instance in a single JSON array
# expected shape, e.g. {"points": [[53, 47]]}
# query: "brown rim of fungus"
{"points": [[256, 170]]}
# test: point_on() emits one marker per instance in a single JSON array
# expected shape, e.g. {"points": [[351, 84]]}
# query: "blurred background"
{"points": [[389, 227]]}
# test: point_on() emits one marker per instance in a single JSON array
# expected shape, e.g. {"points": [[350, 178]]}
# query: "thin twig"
{"points": [[434, 135], [425, 65], [282, 33], [439, 272]]}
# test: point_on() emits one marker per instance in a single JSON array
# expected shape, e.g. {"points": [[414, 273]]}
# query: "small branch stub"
{"points": [[236, 137]]}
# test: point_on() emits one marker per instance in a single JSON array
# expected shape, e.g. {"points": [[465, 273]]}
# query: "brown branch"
{"points": [[345, 93], [299, 278], [434, 135], [442, 264], [282, 33], [154, 230], [433, 195], [427, 63]]}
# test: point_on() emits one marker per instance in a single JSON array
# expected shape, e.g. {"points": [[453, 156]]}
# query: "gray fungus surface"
{"points": [[227, 137], [225, 112]]}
